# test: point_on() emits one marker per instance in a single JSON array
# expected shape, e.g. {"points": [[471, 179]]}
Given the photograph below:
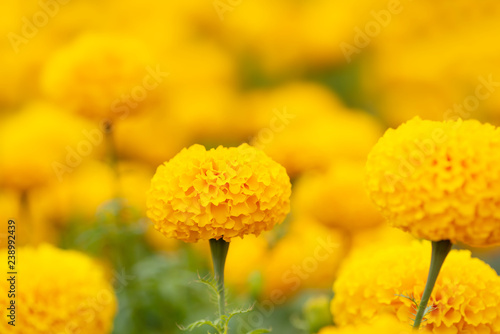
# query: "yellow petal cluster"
{"points": [[323, 196], [439, 180], [465, 296], [381, 325], [219, 193], [59, 291]]}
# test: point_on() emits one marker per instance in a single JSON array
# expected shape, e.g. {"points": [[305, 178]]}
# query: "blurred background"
{"points": [[94, 95]]}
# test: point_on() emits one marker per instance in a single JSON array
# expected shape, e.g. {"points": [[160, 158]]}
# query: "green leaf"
{"points": [[198, 324], [238, 311]]}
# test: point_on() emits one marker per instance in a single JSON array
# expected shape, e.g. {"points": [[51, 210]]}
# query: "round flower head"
{"points": [[103, 77], [59, 291], [439, 180], [220, 193], [464, 300], [323, 196]]}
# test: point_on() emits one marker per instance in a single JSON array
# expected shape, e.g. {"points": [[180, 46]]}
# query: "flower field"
{"points": [[250, 166]]}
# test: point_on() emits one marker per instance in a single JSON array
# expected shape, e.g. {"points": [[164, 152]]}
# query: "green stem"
{"points": [[219, 250], [440, 250]]}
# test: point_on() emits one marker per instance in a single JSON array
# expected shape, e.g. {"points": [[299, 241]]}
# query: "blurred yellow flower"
{"points": [[308, 256], [10, 202], [61, 291], [316, 143], [305, 126], [103, 76], [134, 179], [429, 60], [209, 114], [323, 196], [220, 193], [87, 189], [439, 180], [372, 239], [465, 296], [278, 107], [33, 140], [239, 274], [309, 36], [78, 196], [150, 137], [203, 64], [159, 242]]}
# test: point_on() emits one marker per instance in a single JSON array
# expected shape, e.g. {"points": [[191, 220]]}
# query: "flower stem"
{"points": [[440, 250], [219, 250]]}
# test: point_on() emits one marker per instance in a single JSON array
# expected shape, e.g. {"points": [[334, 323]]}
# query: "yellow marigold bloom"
{"points": [[308, 256], [219, 193], [310, 119], [439, 180], [37, 138], [465, 296], [322, 196], [101, 76], [423, 64], [62, 291], [380, 325]]}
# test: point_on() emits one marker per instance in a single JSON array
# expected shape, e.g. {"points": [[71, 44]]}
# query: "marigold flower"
{"points": [[61, 291], [102, 76], [51, 137], [381, 325], [305, 126], [426, 68], [322, 196], [219, 193], [308, 256], [465, 296], [439, 180]]}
